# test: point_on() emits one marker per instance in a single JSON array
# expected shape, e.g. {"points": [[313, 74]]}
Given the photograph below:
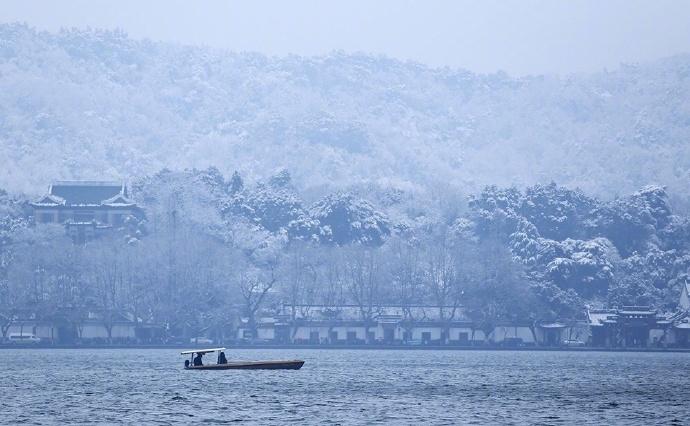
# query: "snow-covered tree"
{"points": [[631, 222], [346, 219], [496, 211], [557, 212]]}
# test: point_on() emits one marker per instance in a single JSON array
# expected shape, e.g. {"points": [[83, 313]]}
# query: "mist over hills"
{"points": [[532, 197], [95, 104]]}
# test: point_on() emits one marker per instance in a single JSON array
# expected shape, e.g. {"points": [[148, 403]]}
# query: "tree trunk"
{"points": [[487, 332], [251, 323], [6, 329], [295, 327], [533, 330], [109, 329]]}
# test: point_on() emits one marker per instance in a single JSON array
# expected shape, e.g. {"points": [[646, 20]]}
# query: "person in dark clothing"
{"points": [[197, 360], [222, 359]]}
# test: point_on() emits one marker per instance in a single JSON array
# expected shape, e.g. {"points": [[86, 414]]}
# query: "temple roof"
{"points": [[86, 193]]}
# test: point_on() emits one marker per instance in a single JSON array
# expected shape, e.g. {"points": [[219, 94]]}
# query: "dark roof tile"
{"points": [[86, 192]]}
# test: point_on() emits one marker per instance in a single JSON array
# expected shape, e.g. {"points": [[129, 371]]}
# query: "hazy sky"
{"points": [[519, 37]]}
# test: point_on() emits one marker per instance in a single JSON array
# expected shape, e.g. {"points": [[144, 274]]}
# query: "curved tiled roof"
{"points": [[86, 193]]}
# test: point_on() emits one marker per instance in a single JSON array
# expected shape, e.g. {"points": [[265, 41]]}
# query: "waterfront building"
{"points": [[68, 326], [642, 326], [391, 324], [629, 327]]}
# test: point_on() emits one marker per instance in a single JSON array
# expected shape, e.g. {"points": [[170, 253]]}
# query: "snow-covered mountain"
{"points": [[93, 104]]}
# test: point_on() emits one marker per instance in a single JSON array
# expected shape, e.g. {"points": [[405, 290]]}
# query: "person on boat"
{"points": [[197, 360], [221, 358]]}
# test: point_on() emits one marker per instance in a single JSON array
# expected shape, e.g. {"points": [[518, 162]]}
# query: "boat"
{"points": [[222, 364]]}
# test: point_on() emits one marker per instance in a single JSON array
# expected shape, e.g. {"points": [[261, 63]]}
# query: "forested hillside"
{"points": [[93, 104], [213, 248], [340, 179]]}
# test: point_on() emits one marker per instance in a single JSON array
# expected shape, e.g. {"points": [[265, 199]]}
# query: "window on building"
{"points": [[46, 217], [426, 336]]}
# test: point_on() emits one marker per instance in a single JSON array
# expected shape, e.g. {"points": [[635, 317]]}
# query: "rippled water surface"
{"points": [[346, 387]]}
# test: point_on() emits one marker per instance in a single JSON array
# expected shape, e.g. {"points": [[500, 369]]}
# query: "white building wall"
{"points": [[478, 336], [42, 331], [265, 333], [123, 332], [46, 332], [99, 331], [658, 334], [89, 331], [343, 330], [93, 331], [434, 331], [455, 332], [304, 332]]}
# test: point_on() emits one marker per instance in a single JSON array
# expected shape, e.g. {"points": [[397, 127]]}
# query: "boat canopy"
{"points": [[202, 351]]}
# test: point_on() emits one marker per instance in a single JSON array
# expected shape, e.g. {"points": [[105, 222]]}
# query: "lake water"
{"points": [[346, 387]]}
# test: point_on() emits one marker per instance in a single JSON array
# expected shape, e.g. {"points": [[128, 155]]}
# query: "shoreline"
{"points": [[361, 347]]}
